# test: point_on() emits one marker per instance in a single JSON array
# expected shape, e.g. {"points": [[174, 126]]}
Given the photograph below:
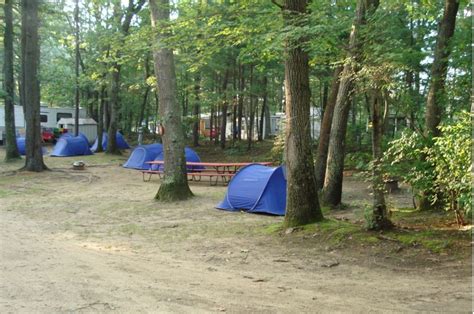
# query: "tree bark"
{"points": [[124, 28], [377, 217], [196, 109], [145, 96], [175, 184], [77, 61], [264, 108], [31, 87], [324, 134], [225, 105], [336, 152], [240, 106], [439, 69], [302, 204], [100, 125], [114, 105], [11, 149]]}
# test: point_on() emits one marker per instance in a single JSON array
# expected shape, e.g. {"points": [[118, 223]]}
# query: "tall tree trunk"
{"points": [[114, 105], [436, 92], [439, 68], [100, 125], [31, 87], [268, 127], [302, 204], [145, 96], [251, 109], [377, 217], [325, 131], [77, 61], [124, 20], [196, 109], [11, 148], [336, 152], [224, 108], [240, 106], [264, 108], [211, 124], [175, 184]]}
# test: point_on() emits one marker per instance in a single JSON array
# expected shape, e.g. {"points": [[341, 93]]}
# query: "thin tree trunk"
{"points": [[196, 109], [325, 131], [264, 107], [11, 149], [31, 87], [114, 105], [240, 101], [251, 109], [124, 20], [435, 100], [100, 125], [211, 124], [175, 184], [225, 104], [377, 217], [302, 204], [335, 160], [147, 91], [77, 61]]}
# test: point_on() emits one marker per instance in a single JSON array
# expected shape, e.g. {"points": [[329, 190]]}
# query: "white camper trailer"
{"points": [[49, 118]]}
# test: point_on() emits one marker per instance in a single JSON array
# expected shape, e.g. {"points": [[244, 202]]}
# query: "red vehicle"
{"points": [[47, 134]]}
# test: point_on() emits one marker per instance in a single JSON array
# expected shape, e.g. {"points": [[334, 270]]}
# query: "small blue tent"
{"points": [[121, 143], [71, 146], [21, 144], [256, 189], [142, 154], [67, 134], [191, 156]]}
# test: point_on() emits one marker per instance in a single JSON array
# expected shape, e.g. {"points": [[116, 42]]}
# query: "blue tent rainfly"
{"points": [[256, 189], [140, 155], [121, 143], [71, 146]]}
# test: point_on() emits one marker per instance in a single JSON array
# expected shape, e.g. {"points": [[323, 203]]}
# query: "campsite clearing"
{"points": [[96, 241]]}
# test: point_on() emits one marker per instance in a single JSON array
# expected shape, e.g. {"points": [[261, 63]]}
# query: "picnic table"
{"points": [[212, 170]]}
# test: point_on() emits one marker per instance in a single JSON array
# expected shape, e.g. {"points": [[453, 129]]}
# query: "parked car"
{"points": [[47, 134]]}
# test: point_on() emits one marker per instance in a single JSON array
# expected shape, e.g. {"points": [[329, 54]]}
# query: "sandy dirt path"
{"points": [[83, 255]]}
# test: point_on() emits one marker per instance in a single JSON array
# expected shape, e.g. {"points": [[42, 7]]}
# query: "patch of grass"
{"points": [[273, 228], [5, 193], [431, 240]]}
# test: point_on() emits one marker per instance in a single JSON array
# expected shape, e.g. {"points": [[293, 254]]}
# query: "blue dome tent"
{"points": [[71, 146], [21, 144], [256, 189], [121, 143], [67, 134], [191, 156], [142, 154]]}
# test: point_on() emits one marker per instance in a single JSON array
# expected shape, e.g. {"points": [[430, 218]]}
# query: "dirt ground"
{"points": [[96, 241]]}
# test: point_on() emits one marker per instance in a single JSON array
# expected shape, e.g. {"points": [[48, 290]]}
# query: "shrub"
{"points": [[440, 166]]}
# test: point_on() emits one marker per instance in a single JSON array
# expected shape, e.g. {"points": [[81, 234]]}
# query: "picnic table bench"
{"points": [[212, 170]]}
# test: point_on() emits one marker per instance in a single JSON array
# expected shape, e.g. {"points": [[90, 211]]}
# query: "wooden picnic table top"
{"points": [[215, 164]]}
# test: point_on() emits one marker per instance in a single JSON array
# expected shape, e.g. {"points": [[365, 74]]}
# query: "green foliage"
{"points": [[440, 166], [358, 161]]}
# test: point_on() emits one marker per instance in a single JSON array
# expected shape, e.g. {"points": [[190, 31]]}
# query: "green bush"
{"points": [[440, 166]]}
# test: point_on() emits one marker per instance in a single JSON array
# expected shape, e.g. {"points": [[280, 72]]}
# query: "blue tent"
{"points": [[256, 189], [67, 134], [191, 156], [121, 143], [21, 144], [71, 146], [142, 154]]}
